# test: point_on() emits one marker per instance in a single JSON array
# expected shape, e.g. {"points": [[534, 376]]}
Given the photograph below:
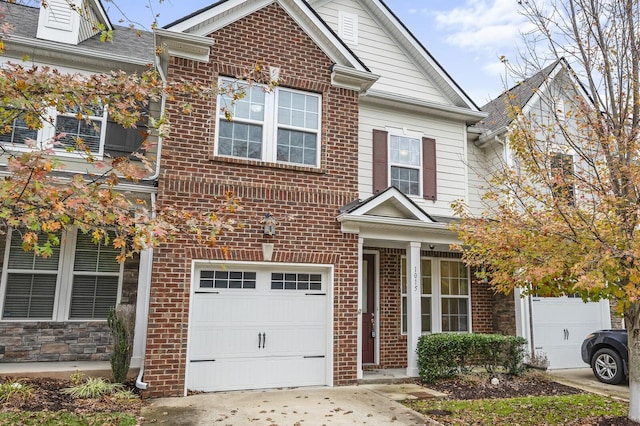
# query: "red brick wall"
{"points": [[304, 200], [393, 345]]}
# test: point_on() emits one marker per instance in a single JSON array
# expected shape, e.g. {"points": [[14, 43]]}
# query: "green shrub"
{"points": [[121, 321], [444, 355], [13, 388], [93, 388]]}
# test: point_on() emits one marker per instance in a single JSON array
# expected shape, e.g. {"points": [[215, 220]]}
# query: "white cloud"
{"points": [[481, 23]]}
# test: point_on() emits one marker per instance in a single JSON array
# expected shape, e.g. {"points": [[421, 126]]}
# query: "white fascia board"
{"points": [[122, 187], [104, 18], [495, 136], [411, 45], [188, 46], [54, 49], [194, 25], [352, 79], [398, 197], [413, 104], [326, 40], [230, 11], [394, 229]]}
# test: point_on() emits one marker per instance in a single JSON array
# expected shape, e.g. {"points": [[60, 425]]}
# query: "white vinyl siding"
{"points": [[398, 73], [79, 281], [452, 179]]}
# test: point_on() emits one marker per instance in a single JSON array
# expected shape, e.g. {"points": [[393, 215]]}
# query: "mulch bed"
{"points": [[480, 387], [46, 396]]}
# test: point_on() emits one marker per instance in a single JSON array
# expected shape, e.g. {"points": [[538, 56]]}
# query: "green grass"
{"points": [[65, 418], [547, 410]]}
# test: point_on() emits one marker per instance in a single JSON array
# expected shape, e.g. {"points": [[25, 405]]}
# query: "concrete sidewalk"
{"points": [[583, 378], [347, 405]]}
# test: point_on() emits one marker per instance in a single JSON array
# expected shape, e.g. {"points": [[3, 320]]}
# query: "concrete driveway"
{"points": [[349, 405], [583, 378]]}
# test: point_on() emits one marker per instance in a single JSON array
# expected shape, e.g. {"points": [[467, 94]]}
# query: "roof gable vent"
{"points": [[58, 22], [348, 27]]}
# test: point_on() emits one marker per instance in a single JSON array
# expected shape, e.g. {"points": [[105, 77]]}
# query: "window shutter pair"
{"points": [[381, 165]]}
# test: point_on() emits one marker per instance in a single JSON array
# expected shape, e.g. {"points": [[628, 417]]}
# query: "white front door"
{"points": [[257, 328], [560, 324]]}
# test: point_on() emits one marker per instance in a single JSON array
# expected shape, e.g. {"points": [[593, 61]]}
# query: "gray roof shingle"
{"points": [[127, 42], [518, 96]]}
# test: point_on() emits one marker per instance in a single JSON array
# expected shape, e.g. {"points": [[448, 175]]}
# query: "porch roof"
{"points": [[391, 219]]}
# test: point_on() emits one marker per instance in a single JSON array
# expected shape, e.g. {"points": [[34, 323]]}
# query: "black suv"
{"points": [[607, 353]]}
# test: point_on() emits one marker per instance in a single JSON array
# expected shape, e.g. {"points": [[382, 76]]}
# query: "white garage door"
{"points": [[562, 323], [253, 329]]}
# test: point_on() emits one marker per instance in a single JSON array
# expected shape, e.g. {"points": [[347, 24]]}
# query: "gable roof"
{"points": [[129, 46], [419, 53], [211, 18], [520, 95]]}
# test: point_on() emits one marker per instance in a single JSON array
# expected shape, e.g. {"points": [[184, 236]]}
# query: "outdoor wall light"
{"points": [[270, 223], [432, 246]]}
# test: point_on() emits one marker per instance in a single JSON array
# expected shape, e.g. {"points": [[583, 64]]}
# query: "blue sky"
{"points": [[467, 37]]}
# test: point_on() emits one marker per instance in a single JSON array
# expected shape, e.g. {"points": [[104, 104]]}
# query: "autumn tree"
{"points": [[562, 211], [40, 198]]}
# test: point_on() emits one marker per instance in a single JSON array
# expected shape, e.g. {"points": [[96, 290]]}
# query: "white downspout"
{"points": [[142, 304]]}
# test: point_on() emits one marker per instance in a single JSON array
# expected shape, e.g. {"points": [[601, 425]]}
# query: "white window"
{"points": [[79, 281], [405, 163], [18, 131], [89, 130], [445, 296], [280, 126]]}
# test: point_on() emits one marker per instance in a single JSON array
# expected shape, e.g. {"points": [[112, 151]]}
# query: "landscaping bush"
{"points": [[443, 355], [121, 321]]}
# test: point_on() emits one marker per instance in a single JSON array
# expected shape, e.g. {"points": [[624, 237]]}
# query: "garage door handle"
{"points": [[262, 338]]}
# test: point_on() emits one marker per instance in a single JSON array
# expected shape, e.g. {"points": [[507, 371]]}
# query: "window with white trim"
{"points": [[18, 131], [79, 281], [97, 132], [455, 294], [445, 295], [89, 130], [425, 295], [405, 163], [281, 126]]}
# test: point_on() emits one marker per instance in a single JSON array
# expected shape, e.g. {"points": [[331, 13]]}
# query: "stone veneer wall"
{"points": [[29, 341], [54, 341]]}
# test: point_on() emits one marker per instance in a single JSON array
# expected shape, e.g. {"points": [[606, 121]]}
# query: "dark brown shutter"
{"points": [[429, 180], [380, 161]]}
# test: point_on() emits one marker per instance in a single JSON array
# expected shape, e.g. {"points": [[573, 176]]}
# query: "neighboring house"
{"points": [[554, 326], [357, 155], [55, 309]]}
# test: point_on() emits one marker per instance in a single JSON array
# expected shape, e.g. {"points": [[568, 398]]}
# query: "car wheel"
{"points": [[607, 366]]}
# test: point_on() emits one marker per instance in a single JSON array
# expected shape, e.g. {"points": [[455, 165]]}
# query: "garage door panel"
{"points": [[560, 326], [256, 373], [304, 309], [219, 308], [260, 337], [297, 341], [216, 342]]}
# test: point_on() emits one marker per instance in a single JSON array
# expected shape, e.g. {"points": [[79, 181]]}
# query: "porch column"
{"points": [[359, 316], [414, 311]]}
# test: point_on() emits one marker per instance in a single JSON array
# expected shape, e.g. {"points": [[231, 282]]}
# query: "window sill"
{"points": [[258, 163]]}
